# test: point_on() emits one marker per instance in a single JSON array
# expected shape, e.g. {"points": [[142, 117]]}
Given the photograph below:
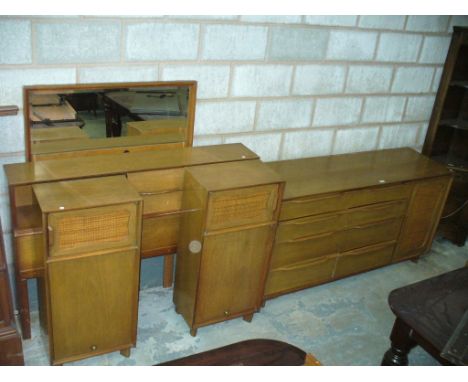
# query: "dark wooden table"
{"points": [[427, 314], [257, 352]]}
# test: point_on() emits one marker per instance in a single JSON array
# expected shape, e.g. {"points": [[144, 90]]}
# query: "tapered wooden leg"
{"points": [[402, 343], [248, 317], [23, 307], [193, 332], [125, 352], [168, 270]]}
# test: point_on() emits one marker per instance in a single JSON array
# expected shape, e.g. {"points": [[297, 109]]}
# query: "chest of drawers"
{"points": [[350, 213]]}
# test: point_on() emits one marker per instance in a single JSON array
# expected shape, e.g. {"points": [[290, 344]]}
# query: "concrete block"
{"points": [[266, 146], [337, 111], [207, 140], [213, 80], [261, 80], [118, 74], [279, 114], [341, 20], [280, 19], [434, 50], [437, 78], [355, 140], [352, 46], [13, 80], [369, 79], [398, 47], [160, 41], [412, 80], [309, 143], [78, 42], [419, 108], [12, 133], [319, 79], [383, 109], [234, 42], [393, 136], [427, 23], [15, 42], [382, 22], [224, 117], [298, 44]]}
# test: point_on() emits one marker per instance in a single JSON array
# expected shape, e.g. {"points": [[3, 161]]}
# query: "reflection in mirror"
{"points": [[76, 120]]}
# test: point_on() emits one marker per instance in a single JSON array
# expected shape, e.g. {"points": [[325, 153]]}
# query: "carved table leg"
{"points": [[402, 343], [248, 317], [23, 307], [168, 269], [125, 352]]}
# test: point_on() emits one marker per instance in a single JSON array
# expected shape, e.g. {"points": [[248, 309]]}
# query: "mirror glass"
{"points": [[82, 120]]}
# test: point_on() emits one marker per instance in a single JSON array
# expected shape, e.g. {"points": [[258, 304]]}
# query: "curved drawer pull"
{"points": [[151, 193], [307, 238], [305, 264], [299, 201], [312, 221]]}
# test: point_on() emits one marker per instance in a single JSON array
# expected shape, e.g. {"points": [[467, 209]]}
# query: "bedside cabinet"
{"points": [[92, 266], [225, 241]]}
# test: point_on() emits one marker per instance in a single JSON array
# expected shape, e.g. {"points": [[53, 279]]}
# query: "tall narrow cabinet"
{"points": [[447, 136]]}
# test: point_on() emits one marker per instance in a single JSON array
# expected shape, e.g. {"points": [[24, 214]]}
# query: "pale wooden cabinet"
{"points": [[225, 241], [92, 261]]}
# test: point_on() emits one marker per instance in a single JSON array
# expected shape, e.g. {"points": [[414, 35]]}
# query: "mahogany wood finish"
{"points": [[156, 175], [447, 135], [350, 213]]}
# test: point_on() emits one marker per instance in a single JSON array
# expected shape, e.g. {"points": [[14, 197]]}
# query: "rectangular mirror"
{"points": [[63, 121]]}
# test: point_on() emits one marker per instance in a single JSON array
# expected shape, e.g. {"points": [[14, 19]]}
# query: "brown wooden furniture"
{"points": [[427, 313], [158, 177], [92, 265], [257, 352], [350, 213], [41, 135], [447, 135], [225, 241], [8, 110], [11, 350]]}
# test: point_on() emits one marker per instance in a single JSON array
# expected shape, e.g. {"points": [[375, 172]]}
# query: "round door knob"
{"points": [[93, 347], [195, 246]]}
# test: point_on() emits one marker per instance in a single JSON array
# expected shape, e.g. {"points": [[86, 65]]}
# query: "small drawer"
{"points": [[157, 181], [377, 195], [162, 203], [364, 259], [375, 212], [303, 249], [239, 207], [315, 205], [159, 233], [30, 252], [362, 236], [308, 226], [300, 275]]}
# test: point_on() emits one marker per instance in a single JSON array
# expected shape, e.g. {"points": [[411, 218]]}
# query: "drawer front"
{"points": [[246, 206], [303, 249], [297, 208], [300, 275], [159, 233], [377, 195], [311, 225], [162, 203], [30, 252], [375, 212], [362, 236], [157, 181], [364, 259], [92, 229]]}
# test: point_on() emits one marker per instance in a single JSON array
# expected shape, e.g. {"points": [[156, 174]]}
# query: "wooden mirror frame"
{"points": [[27, 90]]}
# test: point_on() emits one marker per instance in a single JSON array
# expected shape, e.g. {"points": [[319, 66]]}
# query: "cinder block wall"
{"points": [[285, 86]]}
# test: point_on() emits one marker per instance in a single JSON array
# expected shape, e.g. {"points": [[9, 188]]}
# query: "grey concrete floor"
{"points": [[346, 322]]}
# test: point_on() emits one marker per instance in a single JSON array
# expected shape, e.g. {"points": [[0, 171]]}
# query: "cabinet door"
{"points": [[232, 274], [93, 304]]}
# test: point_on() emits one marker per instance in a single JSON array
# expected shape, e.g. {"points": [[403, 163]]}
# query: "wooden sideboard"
{"points": [[350, 213], [157, 175], [225, 241]]}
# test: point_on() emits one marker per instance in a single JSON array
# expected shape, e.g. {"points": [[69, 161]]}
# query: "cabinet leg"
{"points": [[168, 270], [248, 317], [23, 307], [402, 343], [193, 332], [125, 352]]}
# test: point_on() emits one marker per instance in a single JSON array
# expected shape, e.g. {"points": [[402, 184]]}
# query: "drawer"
{"points": [[159, 233], [315, 205], [362, 236], [30, 252], [300, 275], [376, 195], [238, 207], [162, 202], [93, 229], [303, 249], [311, 225], [375, 212], [364, 259], [157, 181]]}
